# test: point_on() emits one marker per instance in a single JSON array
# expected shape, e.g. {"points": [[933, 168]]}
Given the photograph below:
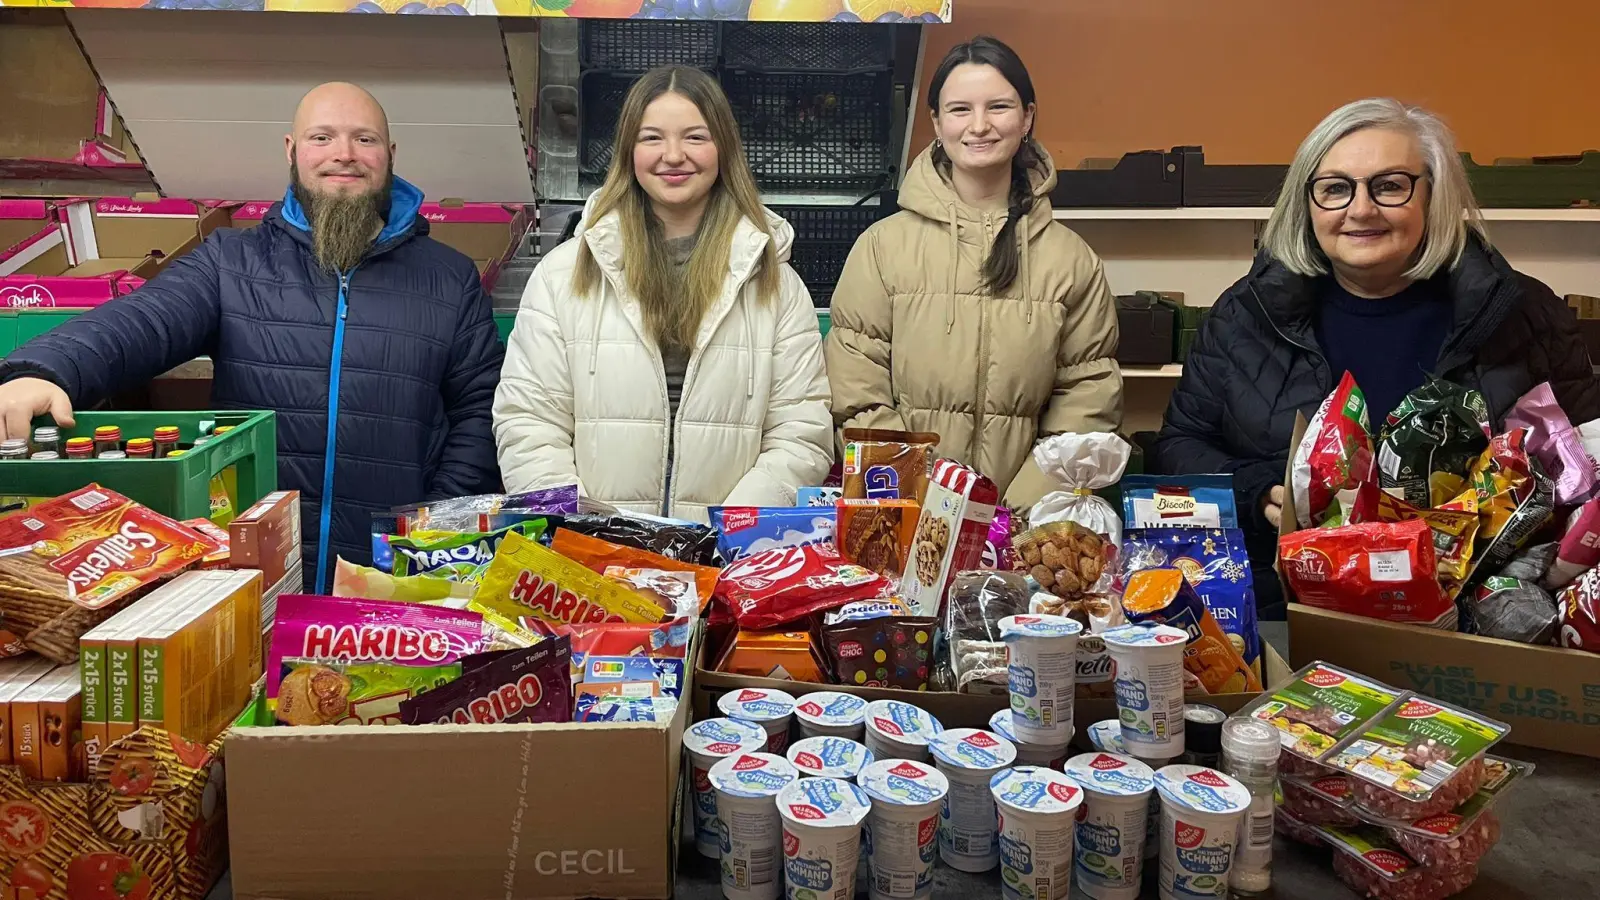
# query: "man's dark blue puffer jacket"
{"points": [[400, 354]]}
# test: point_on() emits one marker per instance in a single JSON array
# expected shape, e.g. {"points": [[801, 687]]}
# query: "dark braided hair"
{"points": [[1001, 267]]}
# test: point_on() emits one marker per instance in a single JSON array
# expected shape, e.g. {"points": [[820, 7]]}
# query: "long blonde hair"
{"points": [[674, 306]]}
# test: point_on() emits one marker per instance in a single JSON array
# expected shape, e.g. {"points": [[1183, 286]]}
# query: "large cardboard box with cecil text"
{"points": [[1550, 696]]}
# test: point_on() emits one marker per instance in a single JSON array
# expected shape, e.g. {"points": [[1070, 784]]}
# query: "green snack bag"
{"points": [[1428, 444], [455, 555], [319, 692]]}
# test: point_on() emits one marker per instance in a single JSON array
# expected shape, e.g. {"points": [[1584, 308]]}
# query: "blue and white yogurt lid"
{"points": [[903, 782], [1111, 774], [757, 705], [723, 737], [752, 775], [1106, 735], [824, 802], [831, 709], [1145, 636], [1035, 789], [1039, 626], [897, 721], [829, 757], [1202, 790], [972, 749]]}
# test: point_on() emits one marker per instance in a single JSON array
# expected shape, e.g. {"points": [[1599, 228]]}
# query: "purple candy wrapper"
{"points": [[997, 552], [531, 684], [1556, 444]]}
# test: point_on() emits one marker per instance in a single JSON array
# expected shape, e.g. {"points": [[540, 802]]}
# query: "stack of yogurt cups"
{"points": [[1148, 661], [706, 744], [1042, 681], [896, 730], [903, 827], [749, 827], [830, 714]]}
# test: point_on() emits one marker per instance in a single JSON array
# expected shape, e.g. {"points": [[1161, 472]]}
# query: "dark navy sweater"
{"points": [[1389, 345]]}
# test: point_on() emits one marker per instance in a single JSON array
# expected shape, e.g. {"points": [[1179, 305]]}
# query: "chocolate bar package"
{"points": [[527, 685], [876, 534], [748, 530], [887, 465]]}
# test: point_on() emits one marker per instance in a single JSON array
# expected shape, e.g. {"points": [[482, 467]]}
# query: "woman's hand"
{"points": [[1272, 505]]}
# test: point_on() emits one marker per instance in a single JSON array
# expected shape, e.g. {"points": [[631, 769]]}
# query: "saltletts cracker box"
{"points": [[1550, 696]]}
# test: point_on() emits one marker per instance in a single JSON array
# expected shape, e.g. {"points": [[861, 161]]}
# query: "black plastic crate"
{"points": [[1543, 182], [1146, 179], [806, 46], [627, 45], [1242, 185], [814, 129], [823, 238], [599, 106]]}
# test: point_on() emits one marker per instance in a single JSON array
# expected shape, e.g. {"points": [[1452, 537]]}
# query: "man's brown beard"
{"points": [[343, 226]]}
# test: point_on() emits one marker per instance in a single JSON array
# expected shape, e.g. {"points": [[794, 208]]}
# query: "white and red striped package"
{"points": [[951, 532]]}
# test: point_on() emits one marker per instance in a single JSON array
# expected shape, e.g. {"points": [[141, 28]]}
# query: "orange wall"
{"points": [[1248, 78]]}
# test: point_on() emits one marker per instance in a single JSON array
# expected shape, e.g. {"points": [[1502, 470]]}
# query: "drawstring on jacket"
{"points": [[1022, 270], [955, 261]]}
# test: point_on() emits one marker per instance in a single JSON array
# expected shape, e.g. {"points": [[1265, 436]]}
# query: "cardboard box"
{"points": [[16, 675], [107, 248], [551, 810], [94, 676], [44, 716], [951, 532], [122, 656], [488, 233], [196, 670], [267, 537]]}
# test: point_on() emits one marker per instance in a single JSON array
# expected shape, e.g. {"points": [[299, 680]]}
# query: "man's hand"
{"points": [[1272, 505], [24, 398]]}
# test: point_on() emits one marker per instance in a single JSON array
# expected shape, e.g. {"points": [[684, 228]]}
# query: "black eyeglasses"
{"points": [[1389, 189]]}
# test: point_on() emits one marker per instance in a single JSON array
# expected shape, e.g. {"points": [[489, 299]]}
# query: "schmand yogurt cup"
{"points": [[821, 837], [1149, 684], [969, 758], [897, 730], [1038, 811], [1049, 756], [831, 713], [1042, 675], [1112, 823], [751, 833], [1200, 814], [829, 757], [707, 743], [903, 828], [771, 709]]}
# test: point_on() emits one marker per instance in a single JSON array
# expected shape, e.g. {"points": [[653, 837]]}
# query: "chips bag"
{"points": [[527, 579], [1511, 610], [1334, 457], [316, 692], [1515, 498], [1556, 444], [1381, 570], [1579, 606], [687, 542], [1429, 442]]}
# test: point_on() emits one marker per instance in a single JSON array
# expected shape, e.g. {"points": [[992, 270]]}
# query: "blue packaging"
{"points": [[666, 672], [589, 708], [819, 496], [1215, 563], [1163, 501], [747, 530]]}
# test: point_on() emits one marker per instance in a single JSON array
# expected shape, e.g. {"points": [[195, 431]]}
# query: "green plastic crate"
{"points": [[1547, 182], [8, 331], [824, 321], [19, 326], [180, 488], [503, 321]]}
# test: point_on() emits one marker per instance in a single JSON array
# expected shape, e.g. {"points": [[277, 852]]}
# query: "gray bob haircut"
{"points": [[1452, 210]]}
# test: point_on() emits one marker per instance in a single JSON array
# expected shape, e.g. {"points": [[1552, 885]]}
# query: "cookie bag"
{"points": [[979, 599], [1067, 559], [1334, 458], [1556, 444], [1078, 465]]}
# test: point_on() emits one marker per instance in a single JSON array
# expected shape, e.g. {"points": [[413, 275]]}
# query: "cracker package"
{"points": [[69, 563], [1214, 657], [1067, 559], [1515, 498], [1216, 564], [601, 555], [876, 534], [1556, 444], [527, 579], [1428, 443], [887, 465], [1334, 458], [1078, 465], [1381, 570], [1455, 526], [951, 530]]}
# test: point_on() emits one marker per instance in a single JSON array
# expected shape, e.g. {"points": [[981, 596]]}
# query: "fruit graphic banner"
{"points": [[922, 12]]}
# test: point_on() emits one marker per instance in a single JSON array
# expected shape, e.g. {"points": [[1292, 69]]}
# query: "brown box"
{"points": [[267, 537], [876, 534], [1550, 696], [44, 718], [196, 669], [783, 655], [16, 675]]}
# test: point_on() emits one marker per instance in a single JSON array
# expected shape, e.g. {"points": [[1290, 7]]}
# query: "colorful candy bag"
{"points": [[1382, 570], [351, 580], [1515, 499], [330, 629], [997, 552], [748, 530], [878, 643], [1215, 658], [599, 555], [317, 692], [687, 542], [527, 685], [776, 587], [454, 555], [1556, 444], [1216, 564], [487, 512], [1430, 441], [1334, 457], [527, 579]]}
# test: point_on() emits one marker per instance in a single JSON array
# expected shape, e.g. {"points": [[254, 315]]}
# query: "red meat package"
{"points": [[1334, 458], [1579, 608], [1381, 570], [775, 587]]}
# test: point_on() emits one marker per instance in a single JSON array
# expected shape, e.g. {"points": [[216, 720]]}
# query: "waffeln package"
{"points": [[1216, 564], [46, 727], [876, 534], [951, 531]]}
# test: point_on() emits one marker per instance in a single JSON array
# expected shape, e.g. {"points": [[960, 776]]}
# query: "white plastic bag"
{"points": [[1079, 464]]}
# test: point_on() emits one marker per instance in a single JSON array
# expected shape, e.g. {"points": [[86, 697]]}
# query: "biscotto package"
{"points": [[599, 555], [1215, 658], [1454, 525], [454, 555], [1334, 457], [956, 514], [341, 630], [1515, 498], [1188, 501], [1429, 442], [527, 579], [67, 564], [1381, 570], [887, 465], [876, 534], [1556, 444], [1216, 564], [748, 530], [321, 692], [772, 589], [531, 685]]}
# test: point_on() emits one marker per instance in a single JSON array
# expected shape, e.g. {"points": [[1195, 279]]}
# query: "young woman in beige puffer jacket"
{"points": [[972, 312]]}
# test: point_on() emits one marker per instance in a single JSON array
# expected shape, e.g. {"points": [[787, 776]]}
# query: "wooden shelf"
{"points": [[1260, 214], [1172, 370]]}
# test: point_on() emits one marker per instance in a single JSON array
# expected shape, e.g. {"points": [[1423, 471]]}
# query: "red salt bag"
{"points": [[1381, 570]]}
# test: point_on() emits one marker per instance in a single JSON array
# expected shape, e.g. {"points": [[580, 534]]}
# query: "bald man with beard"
{"points": [[374, 343]]}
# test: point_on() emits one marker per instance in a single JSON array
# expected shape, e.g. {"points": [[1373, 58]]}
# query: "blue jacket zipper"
{"points": [[335, 367]]}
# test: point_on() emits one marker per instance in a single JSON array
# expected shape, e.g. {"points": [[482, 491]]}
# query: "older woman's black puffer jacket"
{"points": [[1256, 363]]}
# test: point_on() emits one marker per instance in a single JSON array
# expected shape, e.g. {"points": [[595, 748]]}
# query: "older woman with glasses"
{"points": [[1374, 261]]}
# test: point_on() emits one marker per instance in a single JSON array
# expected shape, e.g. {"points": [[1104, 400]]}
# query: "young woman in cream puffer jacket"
{"points": [[583, 395]]}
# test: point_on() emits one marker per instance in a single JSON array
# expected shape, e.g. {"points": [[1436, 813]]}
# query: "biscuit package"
{"points": [[887, 465], [1216, 659], [1078, 465], [1334, 457], [951, 530], [675, 592], [979, 599], [747, 530], [1188, 501], [527, 579], [876, 534]]}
